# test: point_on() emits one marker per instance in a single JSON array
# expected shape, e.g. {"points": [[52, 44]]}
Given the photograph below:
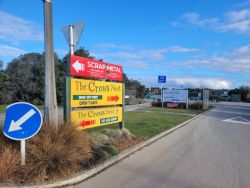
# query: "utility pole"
{"points": [[50, 109]]}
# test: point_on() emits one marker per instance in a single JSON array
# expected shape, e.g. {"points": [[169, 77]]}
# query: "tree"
{"points": [[27, 78], [131, 84], [4, 86], [243, 91], [1, 65]]}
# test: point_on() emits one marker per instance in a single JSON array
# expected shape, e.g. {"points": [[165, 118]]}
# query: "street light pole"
{"points": [[50, 109]]}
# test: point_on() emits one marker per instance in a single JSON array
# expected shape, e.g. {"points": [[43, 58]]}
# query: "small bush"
{"points": [[103, 144], [156, 104], [196, 106]]}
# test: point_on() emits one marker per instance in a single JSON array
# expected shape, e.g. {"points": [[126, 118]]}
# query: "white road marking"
{"points": [[238, 120]]}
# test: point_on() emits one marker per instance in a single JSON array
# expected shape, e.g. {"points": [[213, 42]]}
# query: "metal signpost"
{"points": [[72, 34], [161, 79], [22, 121], [83, 94]]}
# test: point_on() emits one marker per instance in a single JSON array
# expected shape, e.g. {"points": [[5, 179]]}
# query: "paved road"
{"points": [[212, 151]]}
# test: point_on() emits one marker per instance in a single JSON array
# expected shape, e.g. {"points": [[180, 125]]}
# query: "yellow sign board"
{"points": [[94, 93], [94, 117]]}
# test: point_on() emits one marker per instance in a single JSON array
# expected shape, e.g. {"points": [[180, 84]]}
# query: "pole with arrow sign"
{"points": [[22, 121]]}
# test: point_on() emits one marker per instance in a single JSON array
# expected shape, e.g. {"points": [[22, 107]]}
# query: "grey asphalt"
{"points": [[208, 152]]}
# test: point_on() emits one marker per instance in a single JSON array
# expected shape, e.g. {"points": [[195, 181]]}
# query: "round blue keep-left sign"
{"points": [[22, 121]]}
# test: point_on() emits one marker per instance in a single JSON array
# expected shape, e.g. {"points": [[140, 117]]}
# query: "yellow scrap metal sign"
{"points": [[94, 93], [94, 117]]}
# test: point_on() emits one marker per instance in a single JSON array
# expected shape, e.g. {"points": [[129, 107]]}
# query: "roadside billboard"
{"points": [[176, 96], [86, 93], [89, 118], [81, 66]]}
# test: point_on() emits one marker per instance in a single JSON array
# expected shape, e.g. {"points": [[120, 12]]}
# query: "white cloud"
{"points": [[237, 61], [136, 53], [236, 21], [9, 51], [195, 19], [134, 64], [16, 29], [179, 49], [202, 82], [243, 4], [186, 82], [115, 46]]}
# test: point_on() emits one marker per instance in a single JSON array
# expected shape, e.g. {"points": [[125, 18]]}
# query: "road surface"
{"points": [[211, 151]]}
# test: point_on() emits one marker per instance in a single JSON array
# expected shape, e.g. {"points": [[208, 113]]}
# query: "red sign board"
{"points": [[114, 72], [81, 66]]}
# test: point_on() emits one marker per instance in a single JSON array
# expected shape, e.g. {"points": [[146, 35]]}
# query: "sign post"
{"points": [[22, 121], [72, 34], [23, 152], [121, 124], [82, 96], [162, 79]]}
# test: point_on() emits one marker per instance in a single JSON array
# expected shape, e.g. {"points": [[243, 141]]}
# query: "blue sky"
{"points": [[194, 43]]}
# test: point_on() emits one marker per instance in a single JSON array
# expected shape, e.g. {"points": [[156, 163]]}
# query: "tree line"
{"points": [[23, 78]]}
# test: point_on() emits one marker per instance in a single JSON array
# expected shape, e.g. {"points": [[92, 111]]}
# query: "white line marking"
{"points": [[242, 120]]}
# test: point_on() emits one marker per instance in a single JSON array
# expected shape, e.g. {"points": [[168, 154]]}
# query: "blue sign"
{"points": [[22, 121], [161, 79]]}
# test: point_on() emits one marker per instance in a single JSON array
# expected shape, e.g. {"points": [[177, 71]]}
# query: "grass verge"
{"points": [[147, 125], [3, 107], [189, 111]]}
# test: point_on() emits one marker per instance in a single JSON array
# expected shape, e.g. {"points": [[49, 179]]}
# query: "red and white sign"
{"points": [[114, 72], [81, 66]]}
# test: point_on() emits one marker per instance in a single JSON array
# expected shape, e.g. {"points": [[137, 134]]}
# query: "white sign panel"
{"points": [[177, 96], [205, 99]]}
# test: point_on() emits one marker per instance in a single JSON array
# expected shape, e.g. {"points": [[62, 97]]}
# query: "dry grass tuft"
{"points": [[9, 163], [4, 141], [55, 153]]}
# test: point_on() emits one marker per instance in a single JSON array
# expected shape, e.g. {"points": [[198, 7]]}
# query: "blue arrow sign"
{"points": [[161, 79], [22, 121]]}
